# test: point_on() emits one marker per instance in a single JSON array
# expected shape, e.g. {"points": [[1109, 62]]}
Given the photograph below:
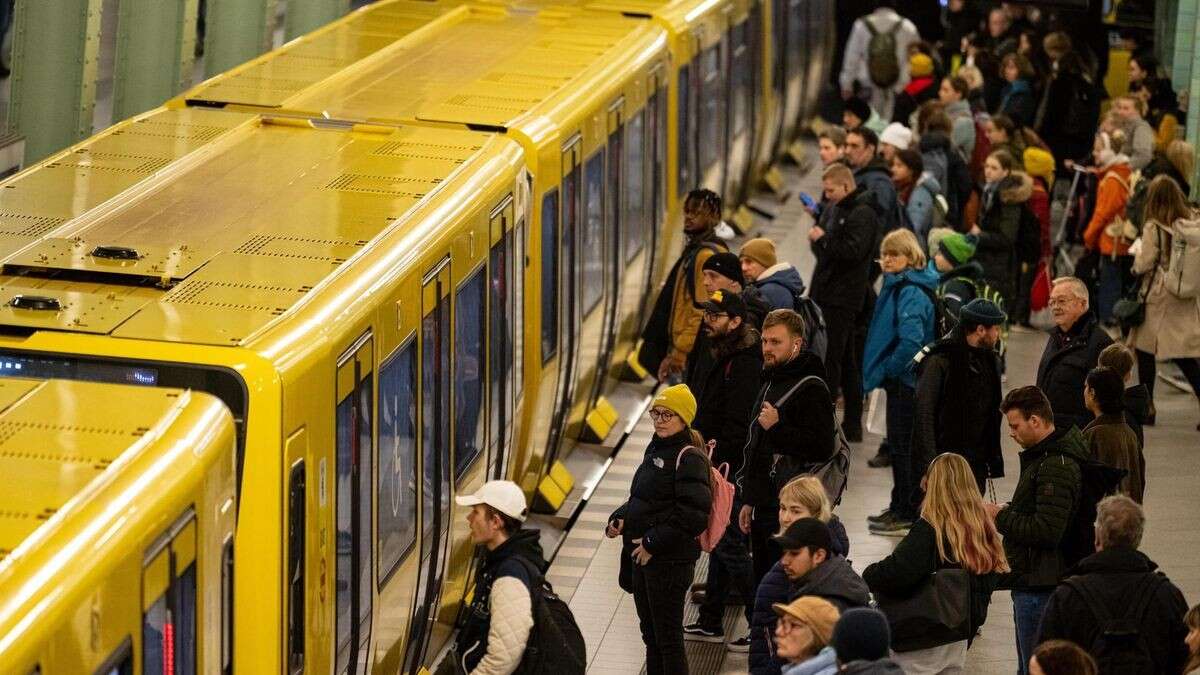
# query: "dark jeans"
{"points": [[1148, 371], [842, 362], [763, 549], [901, 408], [1020, 304], [1028, 607], [1116, 276], [728, 564], [658, 593]]}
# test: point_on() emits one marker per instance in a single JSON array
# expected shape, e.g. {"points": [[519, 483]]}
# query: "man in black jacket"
{"points": [[813, 569], [724, 407], [843, 246], [958, 394], [872, 172], [793, 428], [1071, 352], [1119, 581]]}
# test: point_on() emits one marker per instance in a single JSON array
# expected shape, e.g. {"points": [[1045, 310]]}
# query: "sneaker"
{"points": [[894, 528], [697, 632], [880, 460], [740, 645], [884, 517]]}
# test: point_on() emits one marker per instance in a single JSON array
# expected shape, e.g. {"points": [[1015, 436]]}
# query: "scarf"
{"points": [[904, 189]]}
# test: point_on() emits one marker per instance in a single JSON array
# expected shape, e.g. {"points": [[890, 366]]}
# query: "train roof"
{"points": [[207, 241], [480, 65], [57, 437]]}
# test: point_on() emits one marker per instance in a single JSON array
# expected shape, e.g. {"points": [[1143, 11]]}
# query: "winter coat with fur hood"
{"points": [[999, 220]]}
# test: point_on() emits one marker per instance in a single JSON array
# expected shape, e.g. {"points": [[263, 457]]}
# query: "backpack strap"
{"points": [[1145, 593], [1121, 181], [783, 399], [1088, 594]]}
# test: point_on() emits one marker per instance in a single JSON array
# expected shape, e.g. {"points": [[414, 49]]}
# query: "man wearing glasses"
{"points": [[1071, 352]]}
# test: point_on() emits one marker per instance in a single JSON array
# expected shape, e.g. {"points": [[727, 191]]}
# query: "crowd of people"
{"points": [[933, 238]]}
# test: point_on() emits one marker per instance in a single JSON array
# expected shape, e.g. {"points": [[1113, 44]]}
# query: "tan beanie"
{"points": [[761, 251], [818, 613]]}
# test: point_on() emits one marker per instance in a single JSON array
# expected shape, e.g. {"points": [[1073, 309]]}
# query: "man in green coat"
{"points": [[1035, 521]]}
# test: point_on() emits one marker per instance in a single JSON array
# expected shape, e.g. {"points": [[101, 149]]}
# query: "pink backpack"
{"points": [[722, 498]]}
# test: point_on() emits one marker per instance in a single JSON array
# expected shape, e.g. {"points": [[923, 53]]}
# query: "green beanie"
{"points": [[957, 248]]}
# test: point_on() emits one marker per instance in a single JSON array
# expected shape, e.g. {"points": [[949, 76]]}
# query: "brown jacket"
{"points": [[1172, 326], [1111, 441], [686, 310]]}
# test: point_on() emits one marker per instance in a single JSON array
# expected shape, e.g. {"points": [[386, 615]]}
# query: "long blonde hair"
{"points": [[954, 507]]}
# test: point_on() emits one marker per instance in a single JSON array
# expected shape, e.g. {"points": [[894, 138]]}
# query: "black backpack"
{"points": [[814, 322], [944, 320], [1120, 648], [1097, 481], [882, 65], [1029, 237], [555, 645]]}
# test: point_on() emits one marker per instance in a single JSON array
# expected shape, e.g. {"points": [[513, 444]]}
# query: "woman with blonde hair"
{"points": [[954, 531], [1170, 329], [802, 497], [1192, 621], [902, 324]]}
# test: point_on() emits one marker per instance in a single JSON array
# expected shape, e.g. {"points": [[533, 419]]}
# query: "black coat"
{"points": [[1069, 111], [958, 407], [1116, 576], [725, 397], [1137, 410], [914, 560], [1065, 363], [876, 176], [804, 430], [845, 253], [668, 508]]}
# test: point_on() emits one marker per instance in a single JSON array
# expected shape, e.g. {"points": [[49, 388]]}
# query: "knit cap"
{"points": [[981, 311], [861, 634], [725, 264], [896, 135], [817, 613], [859, 108], [679, 400], [1039, 163], [920, 65], [957, 248], [761, 251]]}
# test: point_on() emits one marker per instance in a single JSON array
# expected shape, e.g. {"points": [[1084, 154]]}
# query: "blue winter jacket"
{"points": [[824, 663], [901, 326], [774, 588], [777, 284], [919, 210]]}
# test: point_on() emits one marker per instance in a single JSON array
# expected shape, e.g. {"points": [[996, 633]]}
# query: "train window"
{"points": [[516, 327], [549, 275], [397, 505], [632, 222], [740, 77], [658, 140], [353, 482], [779, 46], [711, 108], [169, 602], [120, 662], [468, 373], [592, 245], [297, 526], [500, 358], [684, 142], [227, 607]]}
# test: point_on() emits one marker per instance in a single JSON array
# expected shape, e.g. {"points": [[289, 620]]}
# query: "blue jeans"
{"points": [[1028, 607], [728, 564], [901, 408], [1115, 277]]}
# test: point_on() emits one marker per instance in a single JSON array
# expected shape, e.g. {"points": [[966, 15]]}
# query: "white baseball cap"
{"points": [[503, 495]]}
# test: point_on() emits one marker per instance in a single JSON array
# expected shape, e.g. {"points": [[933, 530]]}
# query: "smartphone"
{"points": [[807, 201]]}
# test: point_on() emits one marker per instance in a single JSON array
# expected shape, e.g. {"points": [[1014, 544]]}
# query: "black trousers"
{"points": [[659, 589], [728, 566], [764, 551], [1148, 371], [842, 364]]}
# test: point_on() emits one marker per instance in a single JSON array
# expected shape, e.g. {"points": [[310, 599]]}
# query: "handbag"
{"points": [[938, 613], [1130, 309]]}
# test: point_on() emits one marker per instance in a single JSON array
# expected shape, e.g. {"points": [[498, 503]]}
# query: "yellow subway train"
{"points": [[407, 253]]}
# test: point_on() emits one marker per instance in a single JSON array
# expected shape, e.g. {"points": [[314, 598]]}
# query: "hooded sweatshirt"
{"points": [[778, 284], [497, 627], [902, 324]]}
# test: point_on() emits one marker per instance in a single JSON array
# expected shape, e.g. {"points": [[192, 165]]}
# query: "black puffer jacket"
{"points": [[844, 254], [804, 430], [1119, 577], [836, 581], [876, 177], [725, 398], [1065, 363], [1046, 498], [668, 508], [999, 223]]}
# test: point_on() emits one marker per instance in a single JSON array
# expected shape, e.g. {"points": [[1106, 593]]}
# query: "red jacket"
{"points": [[1111, 197], [1039, 204]]}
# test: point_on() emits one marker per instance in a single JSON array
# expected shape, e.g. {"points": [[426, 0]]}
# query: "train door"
{"points": [[355, 449], [169, 601], [713, 109], [568, 313], [503, 266], [609, 208], [436, 465], [740, 93], [793, 57]]}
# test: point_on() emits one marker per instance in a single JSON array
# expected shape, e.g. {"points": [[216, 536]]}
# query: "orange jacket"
{"points": [[1111, 197]]}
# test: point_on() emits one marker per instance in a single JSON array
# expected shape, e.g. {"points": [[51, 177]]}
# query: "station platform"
{"points": [[584, 571]]}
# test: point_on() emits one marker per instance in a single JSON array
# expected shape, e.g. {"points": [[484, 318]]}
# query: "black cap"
{"points": [[860, 108], [725, 264], [805, 533], [981, 312], [726, 302]]}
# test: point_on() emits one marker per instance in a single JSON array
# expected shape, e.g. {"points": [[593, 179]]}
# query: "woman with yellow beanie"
{"points": [[802, 636], [918, 90], [669, 501]]}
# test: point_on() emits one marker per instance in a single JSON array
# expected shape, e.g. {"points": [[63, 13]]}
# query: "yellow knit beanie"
{"points": [[761, 251], [920, 65], [1039, 163], [679, 400]]}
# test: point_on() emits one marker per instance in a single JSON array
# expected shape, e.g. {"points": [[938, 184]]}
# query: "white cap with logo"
{"points": [[503, 495]]}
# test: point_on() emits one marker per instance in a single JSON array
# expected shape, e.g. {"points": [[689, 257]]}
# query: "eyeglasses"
{"points": [[662, 415], [713, 316], [1060, 302]]}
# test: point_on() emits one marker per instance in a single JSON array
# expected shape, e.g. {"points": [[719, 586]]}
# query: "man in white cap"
{"points": [[500, 618]]}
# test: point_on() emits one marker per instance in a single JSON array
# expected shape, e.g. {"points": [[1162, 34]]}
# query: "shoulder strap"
{"points": [[870, 26], [1145, 593], [706, 453], [1122, 181], [1088, 595], [535, 580], [783, 399]]}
